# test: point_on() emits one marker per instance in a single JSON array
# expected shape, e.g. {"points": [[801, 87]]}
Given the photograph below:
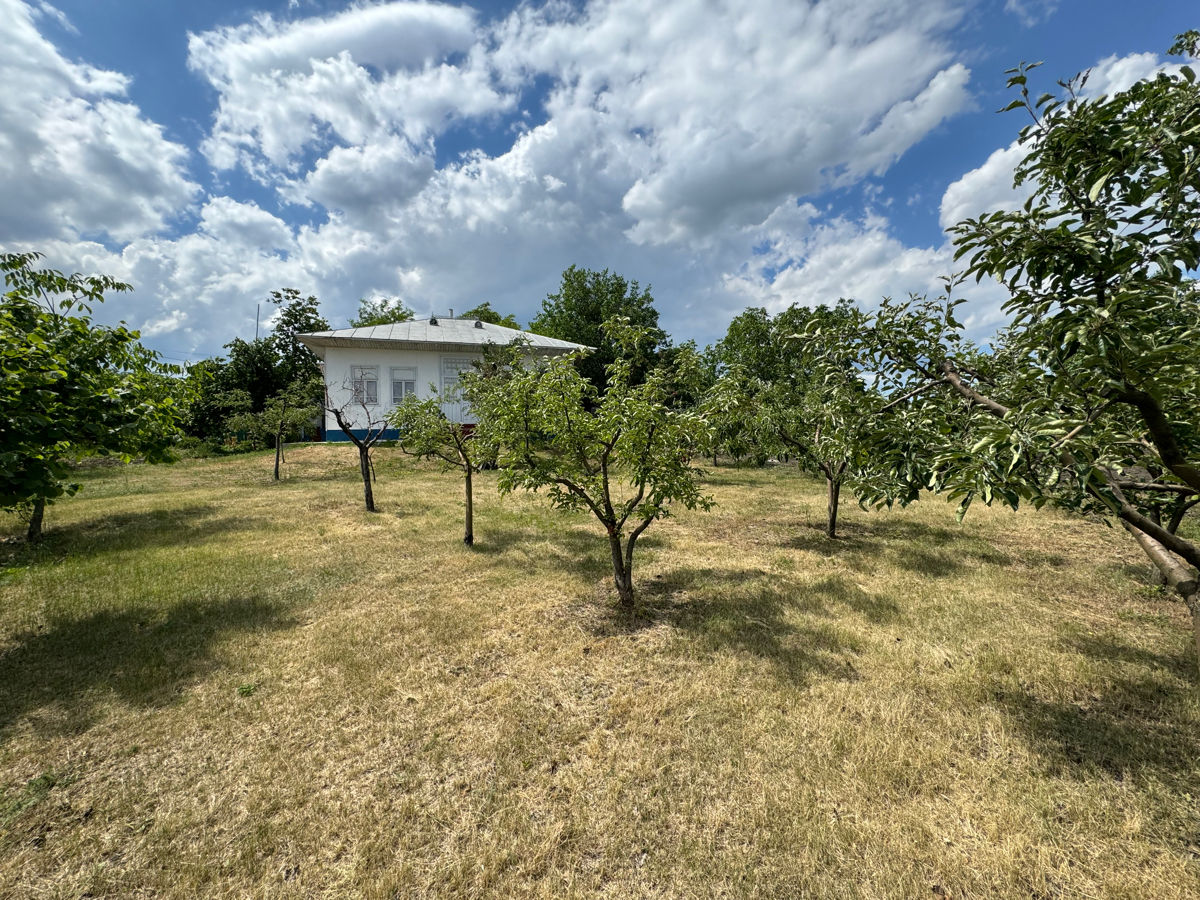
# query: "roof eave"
{"points": [[316, 343]]}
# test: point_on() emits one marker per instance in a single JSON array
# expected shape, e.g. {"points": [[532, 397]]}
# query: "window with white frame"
{"points": [[404, 383], [364, 382]]}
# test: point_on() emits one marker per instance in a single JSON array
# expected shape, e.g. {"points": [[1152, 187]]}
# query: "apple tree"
{"points": [[1090, 397], [71, 388], [624, 456], [424, 431]]}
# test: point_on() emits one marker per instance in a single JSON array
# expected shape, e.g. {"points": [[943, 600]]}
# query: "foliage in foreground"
{"points": [[1087, 400], [71, 388], [355, 408], [1090, 398]]}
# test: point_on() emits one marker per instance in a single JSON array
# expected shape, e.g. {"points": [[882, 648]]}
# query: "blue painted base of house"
{"points": [[336, 434]]}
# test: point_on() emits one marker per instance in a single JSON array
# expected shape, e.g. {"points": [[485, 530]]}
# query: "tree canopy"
{"points": [[230, 396], [624, 456], [749, 345], [1089, 398], [297, 315], [585, 300], [71, 387], [484, 313], [380, 311]]}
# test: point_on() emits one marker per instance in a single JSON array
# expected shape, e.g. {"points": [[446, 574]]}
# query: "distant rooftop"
{"points": [[437, 333]]}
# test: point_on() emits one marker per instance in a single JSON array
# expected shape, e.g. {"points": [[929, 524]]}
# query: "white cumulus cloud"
{"points": [[1031, 12], [701, 146], [722, 109], [76, 159], [987, 188], [348, 78]]}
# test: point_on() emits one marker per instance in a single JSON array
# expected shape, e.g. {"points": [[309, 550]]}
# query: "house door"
{"points": [[454, 407]]}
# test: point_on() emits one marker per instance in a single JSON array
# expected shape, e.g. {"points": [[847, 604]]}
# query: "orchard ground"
{"points": [[216, 685]]}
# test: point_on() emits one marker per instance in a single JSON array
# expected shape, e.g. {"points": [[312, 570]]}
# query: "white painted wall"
{"points": [[428, 363]]}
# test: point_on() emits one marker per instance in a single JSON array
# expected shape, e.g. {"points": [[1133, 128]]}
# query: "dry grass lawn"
{"points": [[214, 685]]}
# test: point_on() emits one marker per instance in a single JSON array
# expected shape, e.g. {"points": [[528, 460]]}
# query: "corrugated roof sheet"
{"points": [[419, 333]]}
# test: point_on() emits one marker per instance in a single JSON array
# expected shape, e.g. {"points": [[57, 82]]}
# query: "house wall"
{"points": [[428, 363]]}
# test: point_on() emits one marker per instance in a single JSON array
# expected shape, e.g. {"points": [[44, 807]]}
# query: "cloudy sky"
{"points": [[727, 152]]}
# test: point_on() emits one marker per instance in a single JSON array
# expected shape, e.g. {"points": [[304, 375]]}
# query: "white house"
{"points": [[385, 363]]}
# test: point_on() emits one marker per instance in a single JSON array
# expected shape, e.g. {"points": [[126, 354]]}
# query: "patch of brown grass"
{"points": [[215, 685]]}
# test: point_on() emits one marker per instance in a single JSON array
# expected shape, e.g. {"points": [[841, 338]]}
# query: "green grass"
{"points": [[215, 685]]}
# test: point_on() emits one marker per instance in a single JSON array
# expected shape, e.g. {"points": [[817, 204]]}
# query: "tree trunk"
{"points": [[1178, 576], [835, 489], [279, 438], [364, 466], [622, 574], [1193, 605], [34, 532], [1180, 511], [469, 535]]}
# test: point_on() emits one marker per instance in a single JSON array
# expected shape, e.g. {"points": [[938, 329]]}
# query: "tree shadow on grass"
{"points": [[579, 548], [1138, 722], [139, 530], [301, 472], [1181, 664], [571, 546], [734, 476], [1136, 728], [1142, 572], [931, 550], [793, 626], [823, 596], [59, 675]]}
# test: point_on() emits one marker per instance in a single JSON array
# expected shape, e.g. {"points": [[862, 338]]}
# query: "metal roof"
{"points": [[424, 334]]}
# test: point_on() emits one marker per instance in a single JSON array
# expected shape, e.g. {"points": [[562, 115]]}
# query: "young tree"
{"points": [[424, 431], [71, 388], [730, 411], [584, 302], [380, 311], [356, 408], [292, 410], [1090, 399], [801, 390], [746, 360], [285, 416], [625, 456]]}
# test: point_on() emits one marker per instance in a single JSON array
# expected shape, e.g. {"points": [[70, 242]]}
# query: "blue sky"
{"points": [[730, 154]]}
